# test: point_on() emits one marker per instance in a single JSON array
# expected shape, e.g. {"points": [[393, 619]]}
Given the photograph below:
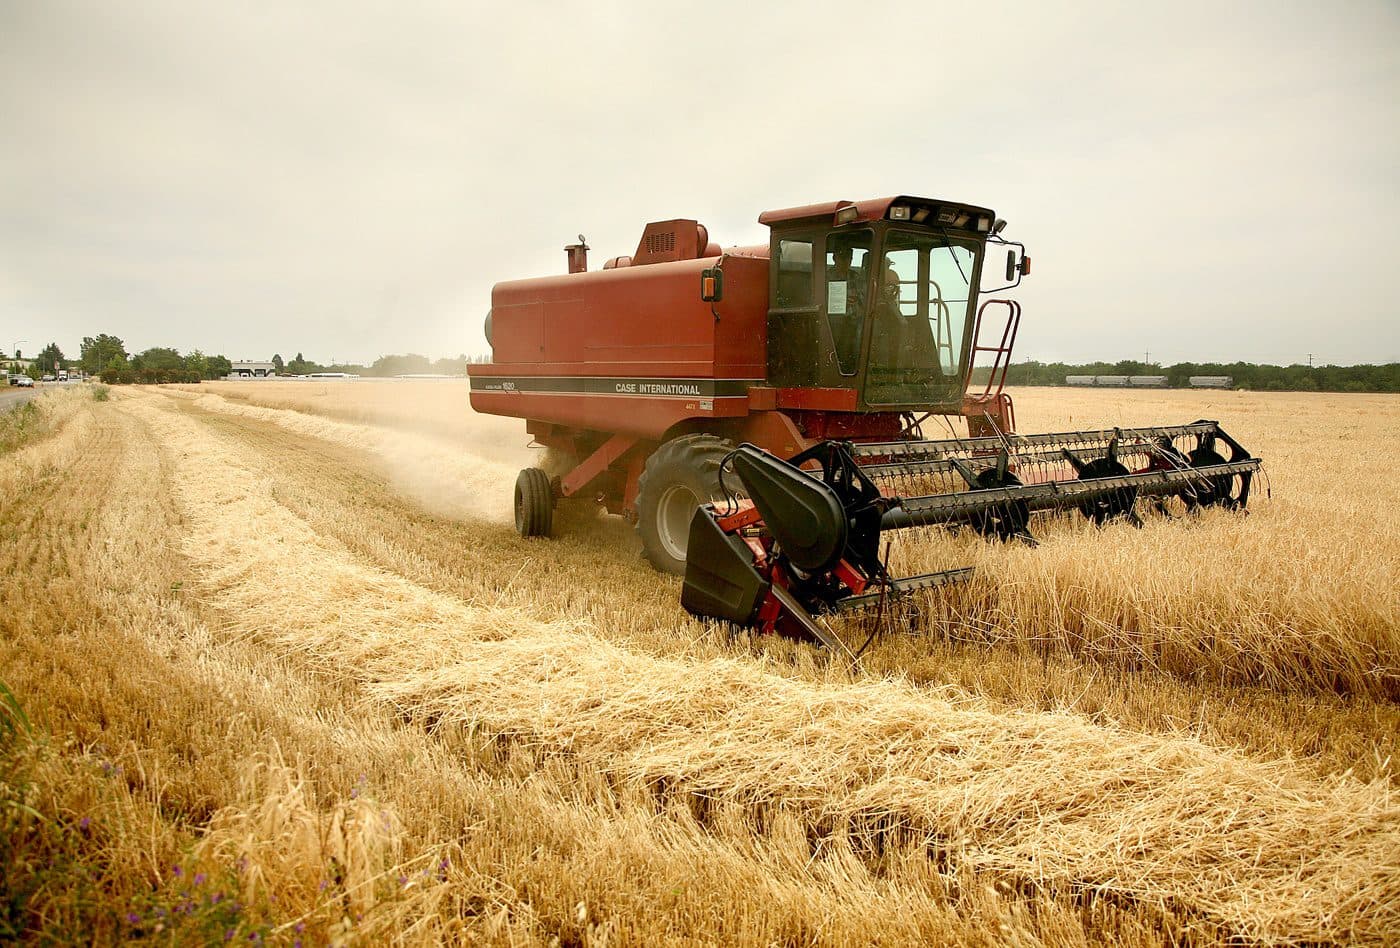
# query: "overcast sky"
{"points": [[1206, 181]]}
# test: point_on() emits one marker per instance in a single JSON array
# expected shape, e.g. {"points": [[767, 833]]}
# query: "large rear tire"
{"points": [[534, 503], [679, 476]]}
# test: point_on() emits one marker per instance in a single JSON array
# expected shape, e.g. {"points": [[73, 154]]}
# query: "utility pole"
{"points": [[1147, 357], [1310, 360]]}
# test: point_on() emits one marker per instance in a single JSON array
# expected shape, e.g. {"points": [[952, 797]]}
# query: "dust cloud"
{"points": [[431, 447]]}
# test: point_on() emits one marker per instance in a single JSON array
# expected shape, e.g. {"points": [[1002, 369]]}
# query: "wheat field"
{"points": [[278, 670]]}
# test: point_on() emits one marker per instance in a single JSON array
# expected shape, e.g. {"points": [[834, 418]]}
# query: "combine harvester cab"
{"points": [[832, 345]]}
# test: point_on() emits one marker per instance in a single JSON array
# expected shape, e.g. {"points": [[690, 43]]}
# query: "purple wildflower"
{"points": [[133, 918], [178, 871], [199, 878], [84, 822], [301, 927], [228, 935], [216, 898]]}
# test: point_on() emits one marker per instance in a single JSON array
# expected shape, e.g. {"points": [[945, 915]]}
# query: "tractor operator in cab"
{"points": [[845, 304]]}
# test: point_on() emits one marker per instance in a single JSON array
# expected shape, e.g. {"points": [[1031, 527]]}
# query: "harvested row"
{"points": [[1044, 799], [1299, 595], [338, 492]]}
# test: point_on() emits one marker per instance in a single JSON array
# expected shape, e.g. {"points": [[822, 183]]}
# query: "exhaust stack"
{"points": [[578, 255]]}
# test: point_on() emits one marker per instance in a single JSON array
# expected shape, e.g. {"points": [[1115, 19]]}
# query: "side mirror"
{"points": [[1024, 267], [711, 285]]}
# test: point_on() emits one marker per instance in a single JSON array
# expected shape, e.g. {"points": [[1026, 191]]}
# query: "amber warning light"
{"points": [[711, 285]]}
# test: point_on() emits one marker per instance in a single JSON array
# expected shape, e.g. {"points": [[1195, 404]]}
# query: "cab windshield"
{"points": [[921, 314]]}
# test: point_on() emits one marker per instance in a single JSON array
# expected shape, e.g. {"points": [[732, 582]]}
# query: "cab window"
{"points": [[794, 270], [846, 294]]}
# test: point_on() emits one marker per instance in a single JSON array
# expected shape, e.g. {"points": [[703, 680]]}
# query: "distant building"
{"points": [[252, 370]]}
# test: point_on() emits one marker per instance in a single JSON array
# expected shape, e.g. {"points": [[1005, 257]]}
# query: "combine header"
{"points": [[804, 542], [830, 346]]}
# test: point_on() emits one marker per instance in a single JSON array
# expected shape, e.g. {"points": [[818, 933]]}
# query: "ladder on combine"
{"points": [[990, 412]]}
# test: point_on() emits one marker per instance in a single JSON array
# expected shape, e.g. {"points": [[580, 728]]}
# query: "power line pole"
{"points": [[1310, 360]]}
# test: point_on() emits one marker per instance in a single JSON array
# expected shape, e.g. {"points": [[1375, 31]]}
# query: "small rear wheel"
{"points": [[534, 503], [679, 476]]}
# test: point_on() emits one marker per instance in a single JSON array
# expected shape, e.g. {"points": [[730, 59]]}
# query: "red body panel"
{"points": [[638, 415], [614, 350], [610, 323]]}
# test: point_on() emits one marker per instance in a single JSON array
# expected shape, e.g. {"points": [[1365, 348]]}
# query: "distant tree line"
{"points": [[385, 366], [1247, 375], [105, 355]]}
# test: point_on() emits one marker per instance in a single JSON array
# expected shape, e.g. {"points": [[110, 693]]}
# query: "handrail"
{"points": [[997, 377]]}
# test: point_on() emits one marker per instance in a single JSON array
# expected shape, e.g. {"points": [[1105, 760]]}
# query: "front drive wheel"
{"points": [[534, 503], [679, 476]]}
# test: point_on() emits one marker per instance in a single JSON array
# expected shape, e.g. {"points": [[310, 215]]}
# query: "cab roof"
{"points": [[871, 209]]}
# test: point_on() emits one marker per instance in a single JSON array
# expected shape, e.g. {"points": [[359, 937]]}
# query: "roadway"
{"points": [[13, 396]]}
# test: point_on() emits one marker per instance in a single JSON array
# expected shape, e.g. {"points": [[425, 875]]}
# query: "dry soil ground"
{"points": [[291, 675]]}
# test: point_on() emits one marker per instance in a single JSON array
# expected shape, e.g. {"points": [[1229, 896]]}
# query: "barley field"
{"points": [[277, 669]]}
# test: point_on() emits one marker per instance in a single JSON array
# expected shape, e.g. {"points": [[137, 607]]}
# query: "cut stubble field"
{"points": [[283, 637]]}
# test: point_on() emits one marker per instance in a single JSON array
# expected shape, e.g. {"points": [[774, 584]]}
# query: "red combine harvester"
{"points": [[830, 346]]}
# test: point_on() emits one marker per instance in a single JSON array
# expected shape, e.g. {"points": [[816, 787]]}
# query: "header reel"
{"points": [[805, 539]]}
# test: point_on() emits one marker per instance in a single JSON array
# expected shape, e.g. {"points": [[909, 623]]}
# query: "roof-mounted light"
{"points": [[921, 215], [947, 216], [847, 214], [900, 212]]}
